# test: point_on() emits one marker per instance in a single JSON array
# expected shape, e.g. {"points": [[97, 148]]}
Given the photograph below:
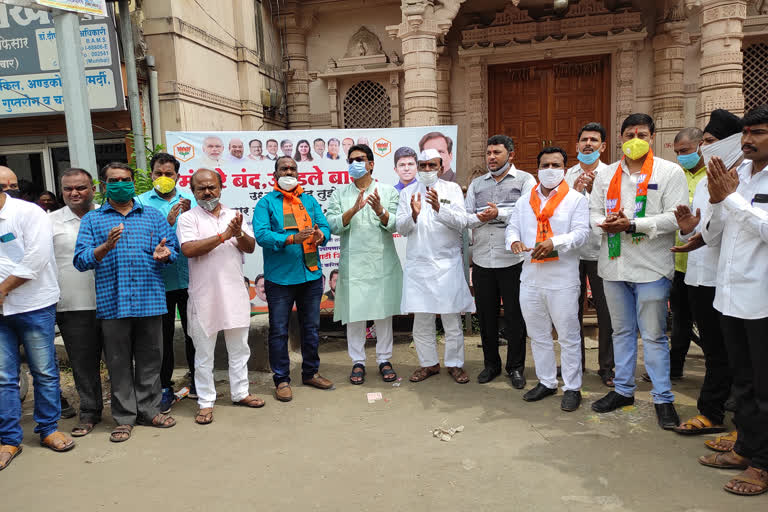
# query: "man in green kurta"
{"points": [[370, 279]]}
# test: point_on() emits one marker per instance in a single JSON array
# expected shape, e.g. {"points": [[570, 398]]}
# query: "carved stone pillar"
{"points": [[720, 83], [333, 102], [444, 90], [394, 99], [477, 107], [625, 59], [294, 28]]}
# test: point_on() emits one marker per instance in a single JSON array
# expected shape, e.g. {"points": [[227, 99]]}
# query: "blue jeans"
{"points": [[34, 330], [641, 306], [280, 300]]}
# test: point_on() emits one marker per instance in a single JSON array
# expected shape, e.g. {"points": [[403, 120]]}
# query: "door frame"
{"points": [[43, 148]]}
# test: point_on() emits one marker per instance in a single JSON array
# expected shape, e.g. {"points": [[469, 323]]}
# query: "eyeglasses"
{"points": [[357, 159]]}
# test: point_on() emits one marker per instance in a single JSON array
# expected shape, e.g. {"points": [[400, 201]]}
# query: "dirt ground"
{"points": [[333, 450]]}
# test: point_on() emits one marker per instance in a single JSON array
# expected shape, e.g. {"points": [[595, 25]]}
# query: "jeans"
{"points": [[81, 331], [34, 330], [172, 300], [682, 324], [640, 306], [280, 300]]}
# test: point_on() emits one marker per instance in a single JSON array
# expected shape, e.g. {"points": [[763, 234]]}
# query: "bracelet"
{"points": [[290, 240], [221, 238], [241, 235], [384, 212]]}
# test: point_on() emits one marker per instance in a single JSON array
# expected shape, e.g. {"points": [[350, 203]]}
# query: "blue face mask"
{"points": [[689, 161], [588, 158], [357, 170]]}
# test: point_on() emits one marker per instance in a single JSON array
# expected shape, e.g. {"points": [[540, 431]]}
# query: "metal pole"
{"points": [[126, 36], [154, 98], [77, 112]]}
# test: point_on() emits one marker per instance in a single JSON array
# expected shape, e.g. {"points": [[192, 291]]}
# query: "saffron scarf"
{"points": [[613, 202], [295, 216], [543, 227]]}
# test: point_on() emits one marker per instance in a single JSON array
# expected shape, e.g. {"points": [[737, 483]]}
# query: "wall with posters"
{"points": [[246, 163]]}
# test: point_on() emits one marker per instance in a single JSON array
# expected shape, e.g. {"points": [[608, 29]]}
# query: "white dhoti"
{"points": [[356, 340], [425, 339]]}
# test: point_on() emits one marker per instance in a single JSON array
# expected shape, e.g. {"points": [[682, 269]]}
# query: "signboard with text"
{"points": [[93, 7]]}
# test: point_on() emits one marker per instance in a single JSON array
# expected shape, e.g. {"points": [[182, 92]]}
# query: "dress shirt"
{"points": [[703, 261], [570, 225], [739, 225], [176, 274], [649, 259], [400, 185], [693, 179], [26, 251], [270, 156], [488, 247], [129, 283], [78, 291], [591, 250]]}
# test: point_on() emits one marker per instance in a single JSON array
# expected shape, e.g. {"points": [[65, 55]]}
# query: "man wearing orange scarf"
{"points": [[632, 206], [549, 225]]}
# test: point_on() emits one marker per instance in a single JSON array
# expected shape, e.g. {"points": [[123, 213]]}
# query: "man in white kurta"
{"points": [[431, 215], [549, 229], [214, 238]]}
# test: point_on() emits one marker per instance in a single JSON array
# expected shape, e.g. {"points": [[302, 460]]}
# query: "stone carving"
{"points": [[394, 58], [363, 43]]}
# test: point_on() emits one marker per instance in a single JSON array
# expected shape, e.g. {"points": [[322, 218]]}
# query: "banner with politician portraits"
{"points": [[246, 162]]}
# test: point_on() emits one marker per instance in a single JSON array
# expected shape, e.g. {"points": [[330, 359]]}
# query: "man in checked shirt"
{"points": [[127, 243]]}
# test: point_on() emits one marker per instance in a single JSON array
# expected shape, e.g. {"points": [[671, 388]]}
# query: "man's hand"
{"points": [[174, 213], [615, 223], [415, 205], [541, 250], [692, 244], [3, 295], [374, 201], [584, 182], [519, 247], [302, 235], [433, 199], [162, 253], [360, 202], [720, 181], [186, 204], [489, 213], [114, 235], [686, 220], [318, 235]]}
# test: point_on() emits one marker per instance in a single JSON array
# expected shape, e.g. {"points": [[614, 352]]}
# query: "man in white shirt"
{"points": [[76, 310], [213, 149], [236, 153], [737, 221], [590, 145], [632, 206], [549, 224], [271, 150], [255, 150]]}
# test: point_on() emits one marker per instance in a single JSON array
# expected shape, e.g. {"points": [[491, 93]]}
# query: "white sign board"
{"points": [[92, 7]]}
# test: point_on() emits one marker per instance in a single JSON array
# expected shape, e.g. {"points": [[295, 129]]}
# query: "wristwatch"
{"points": [[383, 212], [632, 227]]}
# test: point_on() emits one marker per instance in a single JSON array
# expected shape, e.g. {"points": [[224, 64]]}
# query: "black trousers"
{"points": [[492, 285], [134, 350], [682, 324], [748, 357], [717, 378], [174, 299], [588, 269], [81, 332]]}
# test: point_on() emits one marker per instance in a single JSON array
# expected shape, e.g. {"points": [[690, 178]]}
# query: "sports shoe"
{"points": [[167, 401]]}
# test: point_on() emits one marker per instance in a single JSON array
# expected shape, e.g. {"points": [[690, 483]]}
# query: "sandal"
{"points": [[387, 371], [13, 450], [607, 379], [752, 476], [53, 440], [724, 460], [425, 372], [162, 421], [699, 424], [357, 376], [250, 401], [203, 417], [458, 374], [121, 433], [83, 429], [722, 443]]}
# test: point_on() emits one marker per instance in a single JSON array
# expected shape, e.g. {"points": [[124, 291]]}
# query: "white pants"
{"points": [[356, 340], [541, 308], [238, 352], [424, 337]]}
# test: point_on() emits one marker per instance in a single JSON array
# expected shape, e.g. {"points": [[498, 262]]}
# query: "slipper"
{"points": [[161, 421], [83, 429], [697, 425], [204, 418], [118, 431], [387, 372], [719, 460], [357, 376], [50, 441], [458, 374], [761, 482], [250, 401], [13, 450], [425, 372]]}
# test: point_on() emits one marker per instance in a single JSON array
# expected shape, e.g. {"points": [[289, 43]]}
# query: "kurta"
{"points": [[433, 281], [370, 281]]}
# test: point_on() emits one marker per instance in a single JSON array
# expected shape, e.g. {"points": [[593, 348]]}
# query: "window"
{"points": [[366, 105], [259, 28], [755, 86]]}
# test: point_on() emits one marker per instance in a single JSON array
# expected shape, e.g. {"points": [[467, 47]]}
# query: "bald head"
{"points": [[8, 179]]}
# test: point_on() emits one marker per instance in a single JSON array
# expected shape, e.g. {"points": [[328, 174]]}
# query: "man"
{"points": [[737, 222], [590, 145], [632, 204], [28, 296], [217, 299], [286, 146], [551, 222], [346, 144], [722, 124], [271, 149], [333, 278], [289, 225], [444, 146], [261, 293], [491, 199], [333, 149], [213, 147], [76, 310], [319, 147], [405, 167], [236, 150], [361, 141], [255, 150], [171, 201], [364, 215], [9, 183], [128, 243], [431, 214]]}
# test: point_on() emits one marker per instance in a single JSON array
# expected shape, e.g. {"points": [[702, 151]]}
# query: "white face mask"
{"points": [[728, 149], [427, 178], [551, 178], [287, 183]]}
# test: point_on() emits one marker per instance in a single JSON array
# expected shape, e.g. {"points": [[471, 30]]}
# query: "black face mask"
{"points": [[14, 193]]}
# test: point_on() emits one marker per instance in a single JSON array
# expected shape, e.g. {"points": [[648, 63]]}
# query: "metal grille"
{"points": [[366, 105], [755, 72]]}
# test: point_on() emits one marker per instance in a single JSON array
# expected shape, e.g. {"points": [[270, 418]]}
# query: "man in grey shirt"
{"points": [[496, 270]]}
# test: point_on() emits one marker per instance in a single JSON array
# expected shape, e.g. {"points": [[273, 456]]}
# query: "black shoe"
{"points": [[667, 416], [487, 375], [518, 379], [611, 402], [571, 401], [539, 392], [730, 404], [67, 411]]}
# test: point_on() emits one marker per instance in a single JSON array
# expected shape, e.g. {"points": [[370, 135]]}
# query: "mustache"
{"points": [[749, 146]]}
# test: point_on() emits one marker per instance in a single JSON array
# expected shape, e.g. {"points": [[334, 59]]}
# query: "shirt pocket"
{"points": [[760, 201]]}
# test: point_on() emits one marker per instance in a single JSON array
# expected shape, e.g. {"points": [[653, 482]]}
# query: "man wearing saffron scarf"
{"points": [[289, 225], [549, 224], [633, 205]]}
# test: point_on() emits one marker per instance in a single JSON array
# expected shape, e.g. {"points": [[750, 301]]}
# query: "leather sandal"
{"points": [[121, 433], [83, 429], [13, 450], [162, 421], [204, 416], [387, 372], [458, 374], [752, 476], [724, 460], [52, 441], [723, 443], [357, 376], [699, 424], [250, 401], [425, 372]]}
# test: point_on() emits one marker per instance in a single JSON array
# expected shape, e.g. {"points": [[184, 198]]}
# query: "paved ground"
{"points": [[334, 451]]}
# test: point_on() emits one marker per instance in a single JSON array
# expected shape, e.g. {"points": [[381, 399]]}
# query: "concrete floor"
{"points": [[334, 451]]}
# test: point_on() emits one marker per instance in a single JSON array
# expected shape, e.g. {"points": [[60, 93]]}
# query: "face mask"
{"points": [[357, 170], [728, 149], [588, 158], [689, 161], [208, 204], [287, 183], [635, 148], [13, 192], [551, 178], [427, 178], [121, 191], [500, 170], [164, 184]]}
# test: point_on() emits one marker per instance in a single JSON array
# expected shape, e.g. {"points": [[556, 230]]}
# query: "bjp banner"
{"points": [[246, 163]]}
